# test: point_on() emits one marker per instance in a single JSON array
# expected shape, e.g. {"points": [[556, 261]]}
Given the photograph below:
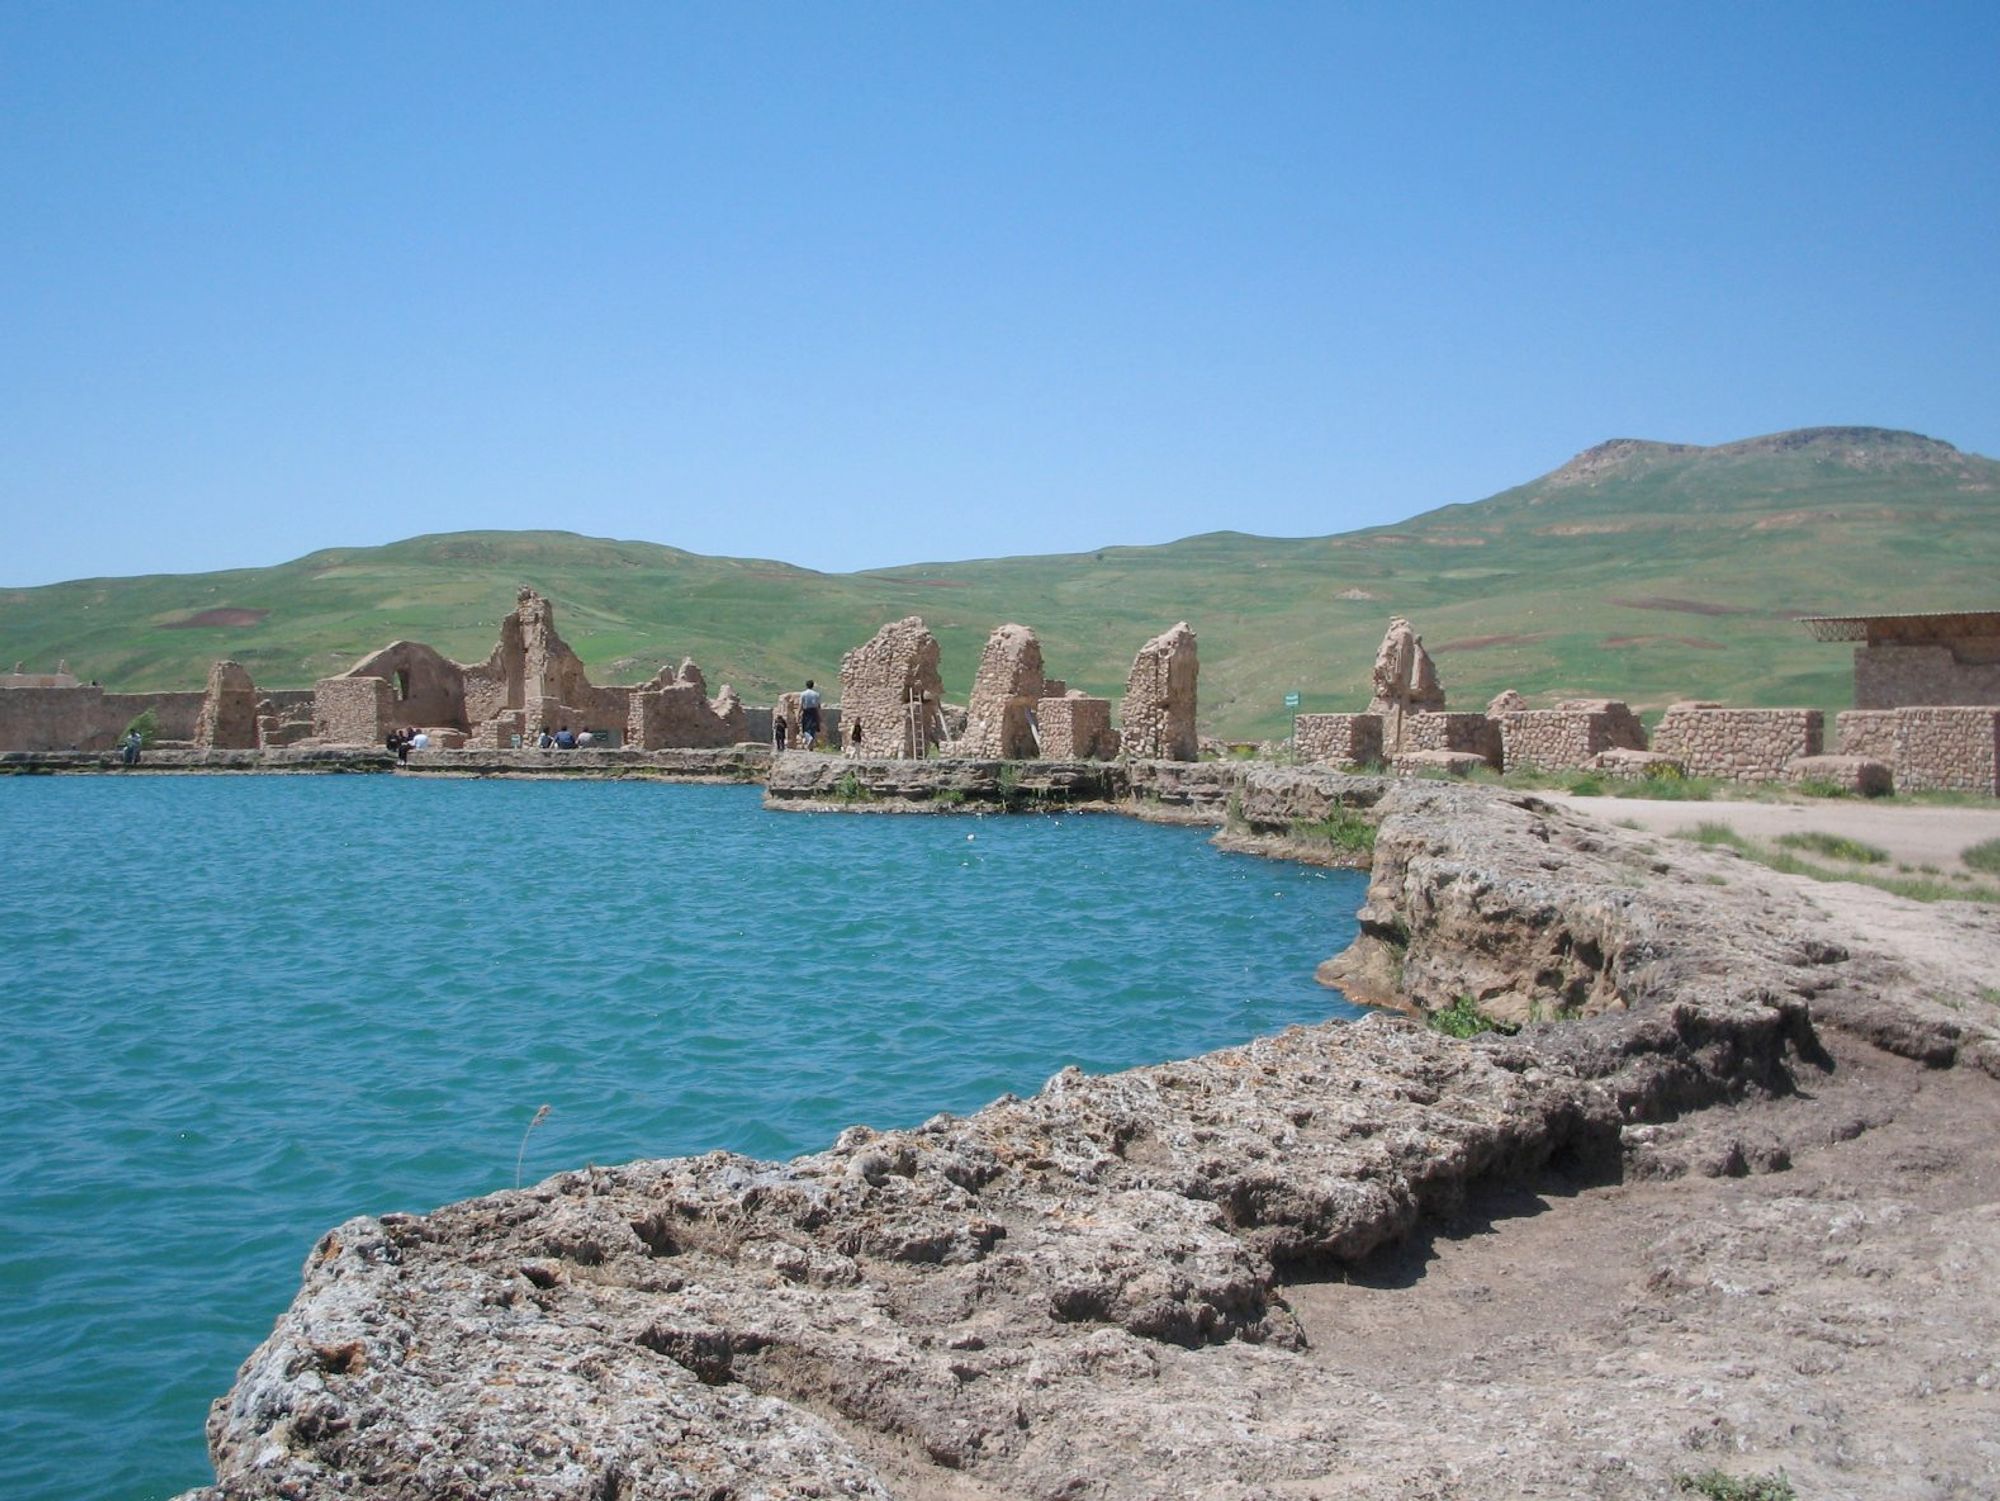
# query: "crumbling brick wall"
{"points": [[1338, 739], [1740, 745], [1076, 727], [1159, 708], [890, 689], [1568, 736], [1948, 749]]}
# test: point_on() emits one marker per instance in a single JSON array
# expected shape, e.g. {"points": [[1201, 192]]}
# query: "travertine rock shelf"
{"points": [[1094, 1292]]}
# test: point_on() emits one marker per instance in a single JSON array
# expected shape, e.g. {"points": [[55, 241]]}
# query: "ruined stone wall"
{"points": [[85, 717], [1867, 732], [228, 718], [890, 688], [353, 711], [676, 716], [1005, 690], [1568, 736], [1464, 734], [1338, 739], [1931, 674], [1159, 708], [1739, 745], [1948, 749], [425, 686], [1076, 727]]}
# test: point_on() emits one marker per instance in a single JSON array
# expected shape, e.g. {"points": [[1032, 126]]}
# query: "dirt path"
{"points": [[1913, 836]]}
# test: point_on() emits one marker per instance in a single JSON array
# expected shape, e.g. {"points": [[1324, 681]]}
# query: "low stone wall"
{"points": [[1739, 745], [1338, 739], [1863, 776], [1076, 728], [809, 780], [1569, 736], [1948, 750], [317, 758], [1461, 734], [84, 717], [735, 763], [1867, 732]]}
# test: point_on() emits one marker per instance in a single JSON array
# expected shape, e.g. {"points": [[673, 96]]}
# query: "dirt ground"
{"points": [[1913, 836]]}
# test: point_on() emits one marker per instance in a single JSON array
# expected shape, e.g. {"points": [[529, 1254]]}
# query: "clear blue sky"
{"points": [[863, 284]]}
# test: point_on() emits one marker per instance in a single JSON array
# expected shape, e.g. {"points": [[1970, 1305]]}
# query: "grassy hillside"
{"points": [[1647, 571]]}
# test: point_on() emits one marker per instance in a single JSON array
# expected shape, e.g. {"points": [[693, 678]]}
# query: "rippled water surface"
{"points": [[238, 1011]]}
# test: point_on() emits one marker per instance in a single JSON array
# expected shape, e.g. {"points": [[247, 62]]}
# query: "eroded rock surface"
{"points": [[1136, 1285]]}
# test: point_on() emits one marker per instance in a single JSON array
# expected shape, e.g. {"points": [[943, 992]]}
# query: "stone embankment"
{"points": [[336, 758], [1120, 1288], [1163, 791], [738, 763]]}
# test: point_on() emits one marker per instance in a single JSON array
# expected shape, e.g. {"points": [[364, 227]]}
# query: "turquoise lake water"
{"points": [[239, 1011]]}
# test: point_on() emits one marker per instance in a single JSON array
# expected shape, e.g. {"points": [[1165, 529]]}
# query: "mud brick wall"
{"points": [[1566, 737], [1740, 745], [1955, 750], [1964, 673], [352, 711], [1467, 734], [1867, 732], [1076, 729], [1338, 739]]}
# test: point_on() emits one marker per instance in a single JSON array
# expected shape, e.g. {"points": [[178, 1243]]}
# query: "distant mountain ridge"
{"points": [[1644, 570]]}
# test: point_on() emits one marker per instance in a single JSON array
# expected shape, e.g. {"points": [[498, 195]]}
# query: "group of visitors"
{"points": [[406, 739], [562, 739], [809, 723]]}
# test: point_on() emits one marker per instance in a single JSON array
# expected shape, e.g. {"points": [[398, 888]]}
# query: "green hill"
{"points": [[1647, 571]]}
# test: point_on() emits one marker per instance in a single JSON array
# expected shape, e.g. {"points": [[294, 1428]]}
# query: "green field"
{"points": [[1648, 572]]}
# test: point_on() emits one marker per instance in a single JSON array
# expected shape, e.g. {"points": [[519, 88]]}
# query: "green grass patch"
{"points": [[1983, 856], [1920, 889], [1718, 1486], [1343, 828], [1834, 847], [848, 788], [1463, 1019]]}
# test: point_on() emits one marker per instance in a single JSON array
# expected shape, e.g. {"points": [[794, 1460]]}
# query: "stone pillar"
{"points": [[1158, 713]]}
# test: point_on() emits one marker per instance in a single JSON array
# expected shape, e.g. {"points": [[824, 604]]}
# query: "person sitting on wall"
{"points": [[547, 740], [583, 739], [565, 738], [403, 738], [809, 715], [129, 751], [421, 740]]}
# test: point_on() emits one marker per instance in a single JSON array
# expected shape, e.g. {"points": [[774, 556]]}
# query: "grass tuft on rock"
{"points": [[1718, 1486], [1463, 1019], [1983, 856]]}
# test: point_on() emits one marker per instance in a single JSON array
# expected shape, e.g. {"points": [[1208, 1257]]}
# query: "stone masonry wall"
{"points": [[1948, 749], [1159, 709], [1741, 745], [1338, 739], [1867, 732], [1467, 734], [1568, 736], [1076, 727], [228, 719], [890, 688], [1004, 692], [352, 711], [1893, 677], [85, 717]]}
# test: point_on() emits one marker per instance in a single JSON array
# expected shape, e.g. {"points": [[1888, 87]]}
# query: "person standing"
{"points": [[809, 715]]}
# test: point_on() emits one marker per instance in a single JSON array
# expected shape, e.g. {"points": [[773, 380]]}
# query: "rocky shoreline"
{"points": [[1142, 1284]]}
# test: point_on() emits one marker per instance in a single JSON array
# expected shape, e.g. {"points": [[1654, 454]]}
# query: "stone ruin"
{"points": [[891, 697], [531, 679], [1158, 714], [228, 716], [1405, 681], [1017, 713]]}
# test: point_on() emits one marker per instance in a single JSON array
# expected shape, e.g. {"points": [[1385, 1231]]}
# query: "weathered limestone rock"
{"points": [[1159, 708], [891, 696], [1405, 682], [1506, 701], [1000, 718], [228, 719]]}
